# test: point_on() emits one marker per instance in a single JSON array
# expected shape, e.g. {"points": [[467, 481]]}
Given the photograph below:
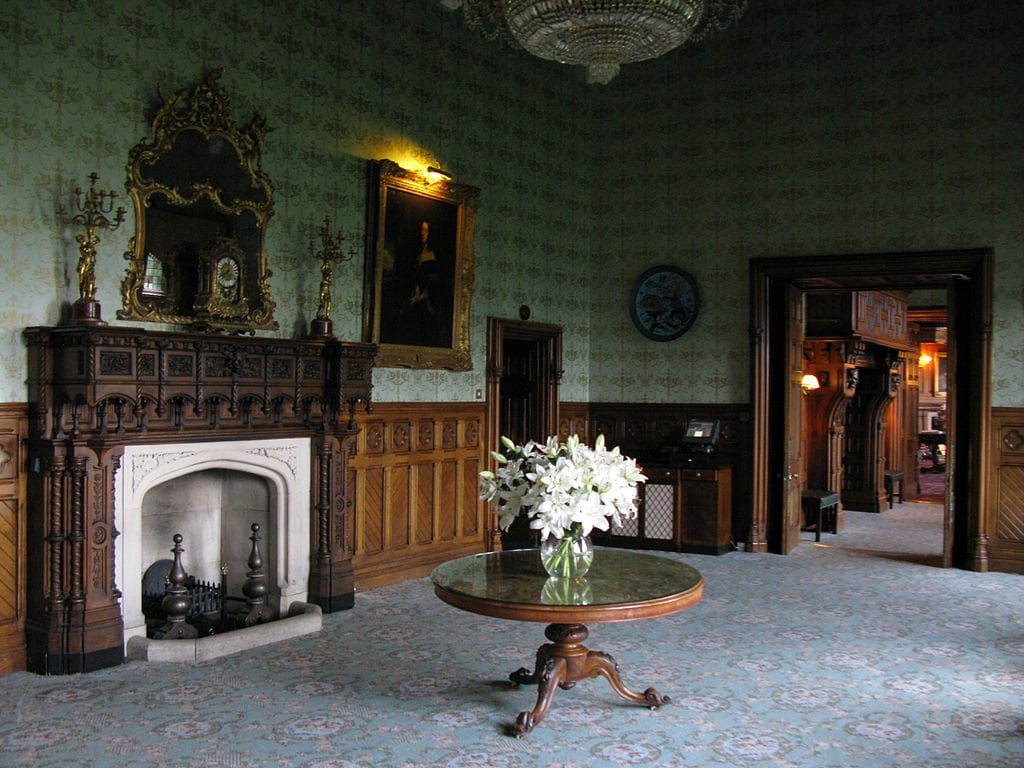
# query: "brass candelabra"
{"points": [[94, 209], [329, 253]]}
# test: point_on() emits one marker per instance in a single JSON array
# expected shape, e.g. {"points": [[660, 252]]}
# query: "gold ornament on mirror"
{"points": [[94, 209]]}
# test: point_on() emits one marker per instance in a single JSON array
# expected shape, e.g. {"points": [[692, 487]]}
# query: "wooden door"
{"points": [[524, 365], [957, 318], [793, 462], [521, 391]]}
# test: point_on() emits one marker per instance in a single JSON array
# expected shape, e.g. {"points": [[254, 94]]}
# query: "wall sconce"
{"points": [[434, 175], [924, 359], [809, 382]]}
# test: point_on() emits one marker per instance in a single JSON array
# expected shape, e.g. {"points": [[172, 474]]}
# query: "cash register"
{"points": [[695, 446]]}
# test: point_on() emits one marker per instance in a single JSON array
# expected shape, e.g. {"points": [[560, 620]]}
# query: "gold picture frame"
{"points": [[419, 270]]}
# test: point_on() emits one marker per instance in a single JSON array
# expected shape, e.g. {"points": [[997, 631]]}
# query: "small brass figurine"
{"points": [[330, 253], [93, 213]]}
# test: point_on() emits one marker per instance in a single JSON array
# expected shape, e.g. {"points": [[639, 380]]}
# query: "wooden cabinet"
{"points": [[683, 509], [705, 504]]}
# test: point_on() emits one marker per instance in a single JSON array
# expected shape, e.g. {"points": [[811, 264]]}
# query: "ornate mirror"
{"points": [[202, 203]]}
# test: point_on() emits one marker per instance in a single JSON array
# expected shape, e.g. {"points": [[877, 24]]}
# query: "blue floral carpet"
{"points": [[854, 652]]}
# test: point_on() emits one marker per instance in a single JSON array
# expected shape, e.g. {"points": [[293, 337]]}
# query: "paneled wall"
{"points": [[415, 485], [1006, 540], [13, 429], [572, 420], [641, 429]]}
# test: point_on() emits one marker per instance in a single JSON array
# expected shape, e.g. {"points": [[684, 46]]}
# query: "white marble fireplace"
{"points": [[208, 492]]}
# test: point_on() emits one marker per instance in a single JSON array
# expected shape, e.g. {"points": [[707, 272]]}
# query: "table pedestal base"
{"points": [[562, 663]]}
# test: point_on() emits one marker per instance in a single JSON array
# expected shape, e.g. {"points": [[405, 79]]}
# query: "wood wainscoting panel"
{"points": [[573, 419], [414, 477], [424, 508], [1006, 498], [13, 430], [399, 527], [446, 507]]}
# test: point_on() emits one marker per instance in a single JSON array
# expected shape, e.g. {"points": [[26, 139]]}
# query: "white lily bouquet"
{"points": [[565, 490]]}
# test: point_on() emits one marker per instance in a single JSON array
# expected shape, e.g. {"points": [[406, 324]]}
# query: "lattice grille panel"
{"points": [[629, 527], [658, 511]]}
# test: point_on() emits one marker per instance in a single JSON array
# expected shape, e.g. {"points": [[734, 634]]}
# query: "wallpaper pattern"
{"points": [[810, 128], [339, 83]]}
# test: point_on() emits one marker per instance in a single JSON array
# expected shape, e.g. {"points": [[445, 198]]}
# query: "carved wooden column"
{"points": [[865, 439], [331, 577]]}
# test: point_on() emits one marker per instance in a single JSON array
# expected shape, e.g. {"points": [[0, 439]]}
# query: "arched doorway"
{"points": [[967, 277]]}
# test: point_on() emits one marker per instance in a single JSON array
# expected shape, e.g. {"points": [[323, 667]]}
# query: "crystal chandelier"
{"points": [[600, 34]]}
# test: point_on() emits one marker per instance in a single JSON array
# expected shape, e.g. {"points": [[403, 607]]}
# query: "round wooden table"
{"points": [[622, 585]]}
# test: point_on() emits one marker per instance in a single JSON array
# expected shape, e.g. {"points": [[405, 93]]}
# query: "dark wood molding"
{"points": [[573, 419]]}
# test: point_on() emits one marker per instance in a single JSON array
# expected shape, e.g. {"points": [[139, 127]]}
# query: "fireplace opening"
{"points": [[212, 494], [213, 511]]}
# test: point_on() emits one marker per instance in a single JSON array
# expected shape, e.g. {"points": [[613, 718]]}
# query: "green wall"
{"points": [[811, 127], [339, 83]]}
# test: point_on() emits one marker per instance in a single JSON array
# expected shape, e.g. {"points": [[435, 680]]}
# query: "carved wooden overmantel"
{"points": [[94, 390]]}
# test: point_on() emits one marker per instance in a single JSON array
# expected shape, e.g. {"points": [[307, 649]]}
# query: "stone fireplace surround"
{"points": [[283, 464], [102, 398]]}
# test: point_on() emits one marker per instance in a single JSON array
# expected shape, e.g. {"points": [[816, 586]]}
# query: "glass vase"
{"points": [[568, 556]]}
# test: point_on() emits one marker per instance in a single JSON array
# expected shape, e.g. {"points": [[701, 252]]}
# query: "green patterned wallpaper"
{"points": [[339, 83], [809, 128], [855, 127]]}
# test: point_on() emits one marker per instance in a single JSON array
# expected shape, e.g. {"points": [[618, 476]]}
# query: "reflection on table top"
{"points": [[622, 585]]}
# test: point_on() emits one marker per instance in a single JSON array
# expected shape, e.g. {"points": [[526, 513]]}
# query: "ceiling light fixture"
{"points": [[600, 35]]}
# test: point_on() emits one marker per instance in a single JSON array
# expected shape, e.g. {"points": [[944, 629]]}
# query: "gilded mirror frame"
{"points": [[202, 204], [419, 270]]}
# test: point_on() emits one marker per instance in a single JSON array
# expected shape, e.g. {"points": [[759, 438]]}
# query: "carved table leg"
{"points": [[563, 662]]}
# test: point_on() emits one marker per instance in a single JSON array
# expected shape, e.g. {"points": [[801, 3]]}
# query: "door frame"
{"points": [[548, 338], [971, 269]]}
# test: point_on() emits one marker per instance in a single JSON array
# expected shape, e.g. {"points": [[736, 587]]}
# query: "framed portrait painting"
{"points": [[419, 270]]}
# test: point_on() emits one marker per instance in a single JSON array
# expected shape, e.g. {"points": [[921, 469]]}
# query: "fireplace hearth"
{"points": [[187, 619], [117, 411]]}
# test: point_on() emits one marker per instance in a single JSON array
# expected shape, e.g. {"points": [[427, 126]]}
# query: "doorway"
{"points": [[524, 367], [967, 277]]}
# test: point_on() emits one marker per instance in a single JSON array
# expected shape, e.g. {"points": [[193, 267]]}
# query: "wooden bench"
{"points": [[893, 486], [821, 508]]}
